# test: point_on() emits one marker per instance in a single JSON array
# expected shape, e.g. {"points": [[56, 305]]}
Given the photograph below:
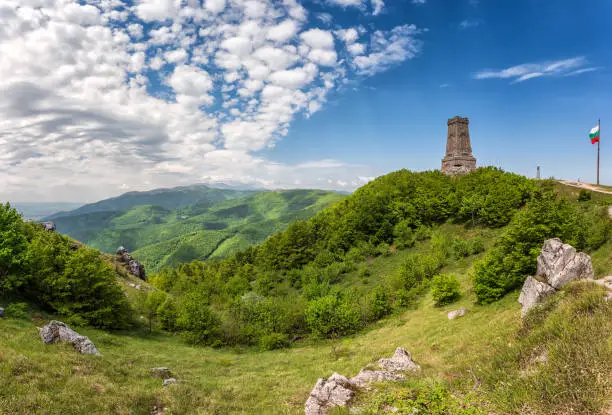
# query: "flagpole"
{"points": [[598, 141]]}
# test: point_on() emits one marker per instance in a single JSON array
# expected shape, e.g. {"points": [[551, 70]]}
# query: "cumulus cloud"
{"points": [[102, 96], [526, 71], [388, 48]]}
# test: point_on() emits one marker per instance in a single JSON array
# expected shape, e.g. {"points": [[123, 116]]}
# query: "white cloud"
{"points": [[377, 6], [388, 48], [176, 56], [149, 10], [168, 92], [419, 1], [135, 30], [283, 31], [347, 3], [318, 39], [525, 71], [214, 6]]}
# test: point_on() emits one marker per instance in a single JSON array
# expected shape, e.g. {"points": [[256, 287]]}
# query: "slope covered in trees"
{"points": [[305, 280], [58, 274], [171, 226]]}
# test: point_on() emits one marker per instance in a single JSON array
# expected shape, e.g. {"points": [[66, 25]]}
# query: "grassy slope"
{"points": [[54, 379]]}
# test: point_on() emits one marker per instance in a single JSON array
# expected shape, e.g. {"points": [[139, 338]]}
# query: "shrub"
{"points": [[167, 314], [378, 304], [332, 316], [416, 268], [444, 289], [13, 248], [403, 234], [197, 321], [274, 341], [17, 310], [584, 195], [461, 248], [477, 245]]}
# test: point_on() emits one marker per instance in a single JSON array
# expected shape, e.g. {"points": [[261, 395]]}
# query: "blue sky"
{"points": [[398, 120], [104, 97]]}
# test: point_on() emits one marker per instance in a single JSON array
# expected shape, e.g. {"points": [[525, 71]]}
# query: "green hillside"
{"points": [[226, 222], [251, 333], [40, 378]]}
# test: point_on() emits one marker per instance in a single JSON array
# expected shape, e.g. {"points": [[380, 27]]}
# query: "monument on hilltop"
{"points": [[458, 158]]}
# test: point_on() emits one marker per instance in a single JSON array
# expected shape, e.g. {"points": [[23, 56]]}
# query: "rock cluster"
{"points": [[558, 265], [57, 331], [48, 226], [136, 268], [457, 313], [337, 390]]}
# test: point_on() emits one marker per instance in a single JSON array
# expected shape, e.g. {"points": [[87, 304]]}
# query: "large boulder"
{"points": [[366, 376], [457, 313], [57, 331], [400, 361], [328, 393], [558, 264], [533, 292]]}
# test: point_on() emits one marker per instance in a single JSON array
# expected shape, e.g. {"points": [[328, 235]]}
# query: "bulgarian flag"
{"points": [[594, 134]]}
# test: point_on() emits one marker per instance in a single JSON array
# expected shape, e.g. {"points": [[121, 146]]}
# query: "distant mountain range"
{"points": [[36, 211], [164, 227]]}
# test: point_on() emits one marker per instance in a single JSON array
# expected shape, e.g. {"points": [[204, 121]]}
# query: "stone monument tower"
{"points": [[458, 158]]}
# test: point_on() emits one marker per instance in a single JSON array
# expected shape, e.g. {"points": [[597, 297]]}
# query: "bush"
{"points": [[197, 321], [417, 268], [17, 310], [477, 245], [584, 195], [274, 341], [332, 316], [13, 248], [378, 304], [445, 289], [461, 248]]}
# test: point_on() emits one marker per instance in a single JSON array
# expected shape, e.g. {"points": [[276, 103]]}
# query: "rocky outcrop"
{"points": [[366, 376], [48, 226], [558, 265], [400, 361], [457, 313], [337, 390], [135, 267], [57, 331], [328, 393], [534, 292]]}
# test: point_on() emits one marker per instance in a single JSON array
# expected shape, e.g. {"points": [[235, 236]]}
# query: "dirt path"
{"points": [[586, 186]]}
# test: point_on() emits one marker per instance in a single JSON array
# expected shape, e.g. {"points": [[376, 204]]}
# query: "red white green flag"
{"points": [[594, 134]]}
